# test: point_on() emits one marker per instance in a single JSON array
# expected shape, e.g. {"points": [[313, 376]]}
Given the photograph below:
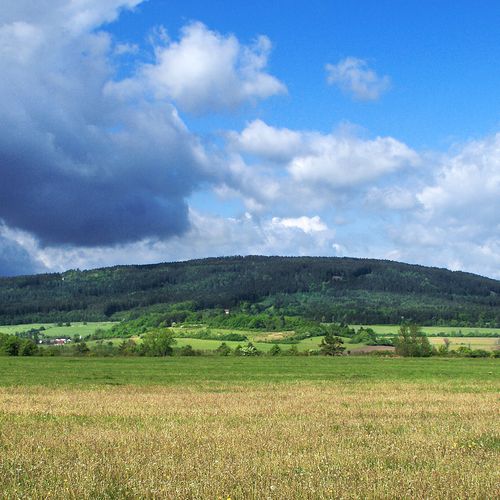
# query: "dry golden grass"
{"points": [[299, 441]]}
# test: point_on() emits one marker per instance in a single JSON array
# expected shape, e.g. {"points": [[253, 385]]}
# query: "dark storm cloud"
{"points": [[79, 165], [128, 186], [14, 259]]}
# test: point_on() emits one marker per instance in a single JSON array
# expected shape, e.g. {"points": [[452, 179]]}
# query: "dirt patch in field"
{"points": [[272, 336], [372, 348]]}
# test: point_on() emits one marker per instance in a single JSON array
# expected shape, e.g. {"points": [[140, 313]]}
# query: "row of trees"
{"points": [[410, 342], [156, 343], [10, 345]]}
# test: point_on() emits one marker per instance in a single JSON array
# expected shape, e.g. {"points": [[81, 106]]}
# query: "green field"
{"points": [[52, 330], [264, 340], [210, 345], [81, 372], [432, 330], [486, 343], [249, 428]]}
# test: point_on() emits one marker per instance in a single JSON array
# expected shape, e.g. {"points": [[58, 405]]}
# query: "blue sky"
{"points": [[442, 57], [143, 131]]}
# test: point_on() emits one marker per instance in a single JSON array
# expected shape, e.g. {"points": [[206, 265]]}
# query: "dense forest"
{"points": [[319, 288]]}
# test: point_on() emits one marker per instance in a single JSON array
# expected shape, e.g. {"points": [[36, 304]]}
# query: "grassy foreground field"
{"points": [[288, 427]]}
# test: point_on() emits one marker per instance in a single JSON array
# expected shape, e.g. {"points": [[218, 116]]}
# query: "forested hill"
{"points": [[339, 289]]}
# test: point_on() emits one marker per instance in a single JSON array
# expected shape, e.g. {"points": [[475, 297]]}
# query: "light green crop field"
{"points": [[263, 340], [249, 428], [210, 345], [52, 330], [431, 330], [486, 343]]}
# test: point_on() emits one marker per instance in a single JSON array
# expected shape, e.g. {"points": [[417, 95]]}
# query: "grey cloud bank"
{"points": [[78, 165], [14, 259]]}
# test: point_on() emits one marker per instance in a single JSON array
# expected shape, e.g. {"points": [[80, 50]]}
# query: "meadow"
{"points": [[442, 331], [239, 428], [263, 340], [63, 330]]}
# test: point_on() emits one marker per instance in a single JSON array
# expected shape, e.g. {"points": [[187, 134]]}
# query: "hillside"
{"points": [[339, 289]]}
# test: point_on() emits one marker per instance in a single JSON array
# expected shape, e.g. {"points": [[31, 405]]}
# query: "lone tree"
{"points": [[331, 345], [412, 342], [158, 343]]}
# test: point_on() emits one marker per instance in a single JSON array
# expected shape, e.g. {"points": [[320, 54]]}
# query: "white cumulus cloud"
{"points": [[455, 222], [260, 139], [73, 16], [334, 161], [354, 77], [346, 161], [207, 71], [306, 224]]}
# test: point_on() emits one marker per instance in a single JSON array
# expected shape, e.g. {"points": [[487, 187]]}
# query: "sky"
{"points": [[143, 131]]}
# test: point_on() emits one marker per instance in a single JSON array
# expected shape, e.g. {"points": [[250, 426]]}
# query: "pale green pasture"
{"points": [[430, 330], [210, 345], [52, 330], [264, 340], [486, 343]]}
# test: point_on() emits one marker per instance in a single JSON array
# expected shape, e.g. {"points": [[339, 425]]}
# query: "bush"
{"points": [[467, 352], [101, 349], [331, 345], [223, 350], [27, 348], [250, 350], [127, 348], [479, 353], [187, 350], [381, 353], [10, 345], [275, 350], [50, 351], [207, 334], [80, 349]]}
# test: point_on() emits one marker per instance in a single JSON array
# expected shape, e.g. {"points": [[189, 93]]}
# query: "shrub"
{"points": [[127, 348], [275, 350], [250, 350], [27, 348], [223, 350], [80, 349], [187, 350], [102, 349], [381, 353], [331, 345], [479, 353], [50, 351], [207, 334], [9, 345]]}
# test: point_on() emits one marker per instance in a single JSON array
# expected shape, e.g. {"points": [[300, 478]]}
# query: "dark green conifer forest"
{"points": [[342, 290]]}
